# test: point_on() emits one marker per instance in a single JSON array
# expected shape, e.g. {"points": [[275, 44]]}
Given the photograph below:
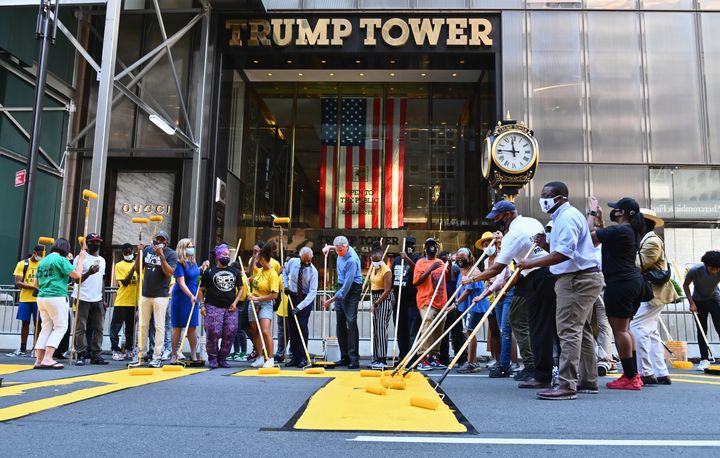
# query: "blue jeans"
{"points": [[502, 315]]}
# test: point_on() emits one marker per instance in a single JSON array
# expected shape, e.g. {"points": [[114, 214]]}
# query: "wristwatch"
{"points": [[592, 213]]}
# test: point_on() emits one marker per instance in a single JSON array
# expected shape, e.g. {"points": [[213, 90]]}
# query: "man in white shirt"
{"points": [[301, 278], [535, 285], [91, 310], [574, 260]]}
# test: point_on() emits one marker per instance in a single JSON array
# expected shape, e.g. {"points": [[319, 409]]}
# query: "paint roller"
{"points": [[140, 220], [429, 403], [311, 365], [376, 389], [277, 221], [157, 219], [268, 370], [88, 194], [172, 368], [370, 373], [314, 370], [46, 241], [393, 384], [142, 370], [682, 365]]}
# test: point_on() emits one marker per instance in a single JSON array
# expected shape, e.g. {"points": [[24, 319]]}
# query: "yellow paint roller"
{"points": [[268, 370], [172, 368], [278, 220], [376, 389], [314, 370], [46, 241], [140, 371], [81, 241], [682, 365], [369, 373], [393, 384], [88, 194], [424, 403], [140, 220], [156, 218]]}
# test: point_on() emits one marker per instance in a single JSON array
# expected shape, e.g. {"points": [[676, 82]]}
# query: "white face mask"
{"points": [[491, 250], [129, 257], [546, 204], [377, 264]]}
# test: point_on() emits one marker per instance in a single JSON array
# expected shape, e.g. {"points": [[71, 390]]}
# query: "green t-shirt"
{"points": [[52, 275]]}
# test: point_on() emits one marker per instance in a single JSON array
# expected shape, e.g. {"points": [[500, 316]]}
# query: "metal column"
{"points": [[104, 108]]}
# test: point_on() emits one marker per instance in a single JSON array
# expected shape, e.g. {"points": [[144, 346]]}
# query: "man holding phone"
{"points": [[91, 311]]}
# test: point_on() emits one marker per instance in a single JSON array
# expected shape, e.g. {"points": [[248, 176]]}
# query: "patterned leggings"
{"points": [[219, 324], [381, 320]]}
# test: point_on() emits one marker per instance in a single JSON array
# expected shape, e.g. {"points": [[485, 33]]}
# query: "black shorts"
{"points": [[623, 297]]}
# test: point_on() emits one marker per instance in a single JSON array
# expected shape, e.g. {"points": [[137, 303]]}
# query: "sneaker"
{"points": [[99, 361], [259, 362], [166, 355], [269, 363], [702, 365], [378, 365], [468, 368], [624, 383], [231, 356], [155, 363], [181, 356], [435, 362], [130, 355], [664, 380], [80, 362], [424, 366], [499, 372], [515, 367], [252, 356], [524, 375], [649, 380], [491, 364], [118, 356], [17, 353], [242, 356]]}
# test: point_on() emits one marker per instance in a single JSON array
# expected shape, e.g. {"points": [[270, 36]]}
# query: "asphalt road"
{"points": [[214, 414]]}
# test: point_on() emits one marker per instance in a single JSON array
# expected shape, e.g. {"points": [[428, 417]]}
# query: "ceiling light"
{"points": [[392, 61], [289, 61], [269, 74], [323, 61], [454, 75], [299, 74], [362, 74], [162, 125], [332, 74], [392, 74], [256, 61], [462, 61], [423, 74]]}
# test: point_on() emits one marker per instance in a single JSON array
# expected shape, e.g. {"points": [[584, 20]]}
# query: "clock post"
{"points": [[510, 157]]}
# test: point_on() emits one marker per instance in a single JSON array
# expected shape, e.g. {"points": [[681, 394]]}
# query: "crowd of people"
{"points": [[552, 294]]}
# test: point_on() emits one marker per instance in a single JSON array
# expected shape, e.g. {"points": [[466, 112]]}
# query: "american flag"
{"points": [[350, 194]]}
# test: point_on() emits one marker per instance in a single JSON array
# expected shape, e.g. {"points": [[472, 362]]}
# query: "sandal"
{"points": [[50, 366]]}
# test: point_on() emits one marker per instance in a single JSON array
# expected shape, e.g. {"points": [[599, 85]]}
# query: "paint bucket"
{"points": [[679, 349], [332, 349]]}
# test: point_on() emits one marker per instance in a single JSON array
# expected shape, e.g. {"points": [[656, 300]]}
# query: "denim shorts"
{"points": [[264, 310], [471, 320]]}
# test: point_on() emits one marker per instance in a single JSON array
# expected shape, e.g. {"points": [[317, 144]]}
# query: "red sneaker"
{"points": [[624, 383], [637, 381]]}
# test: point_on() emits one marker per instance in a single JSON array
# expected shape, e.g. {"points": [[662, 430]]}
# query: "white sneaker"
{"points": [[491, 364], [118, 356], [269, 363], [704, 364], [258, 362], [166, 355], [17, 353], [181, 356], [155, 363], [515, 367]]}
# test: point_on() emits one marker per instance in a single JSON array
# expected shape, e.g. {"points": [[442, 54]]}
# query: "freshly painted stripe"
{"points": [[532, 441]]}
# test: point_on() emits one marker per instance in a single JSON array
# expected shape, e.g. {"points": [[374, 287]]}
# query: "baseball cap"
{"points": [[38, 249], [430, 241], [627, 204], [410, 240], [163, 234], [127, 246], [501, 207], [93, 237]]}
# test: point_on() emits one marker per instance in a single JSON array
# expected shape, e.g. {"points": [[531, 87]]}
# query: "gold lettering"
{"points": [[259, 32], [370, 24], [404, 32], [456, 31], [282, 31], [313, 37], [235, 26], [480, 29], [126, 208], [423, 30], [342, 28]]}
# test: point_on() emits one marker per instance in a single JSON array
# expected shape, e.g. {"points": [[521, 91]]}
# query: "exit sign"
{"points": [[20, 177]]}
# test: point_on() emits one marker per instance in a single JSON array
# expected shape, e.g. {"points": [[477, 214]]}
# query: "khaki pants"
{"points": [[149, 307], [439, 329], [576, 295]]}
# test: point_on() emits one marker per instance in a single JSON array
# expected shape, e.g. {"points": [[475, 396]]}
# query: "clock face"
{"points": [[515, 152], [485, 161]]}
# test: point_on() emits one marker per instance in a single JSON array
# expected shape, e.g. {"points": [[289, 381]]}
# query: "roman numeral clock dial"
{"points": [[514, 152]]}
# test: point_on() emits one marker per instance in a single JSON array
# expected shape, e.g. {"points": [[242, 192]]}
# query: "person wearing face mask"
{"points": [[301, 278], [27, 306], [159, 262], [124, 307], [456, 334], [382, 305], [408, 320], [183, 298], [430, 276], [624, 284], [346, 299], [221, 290], [265, 289], [472, 295], [91, 310], [534, 287], [574, 261]]}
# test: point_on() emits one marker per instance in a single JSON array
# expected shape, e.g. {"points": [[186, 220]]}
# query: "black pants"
{"points": [[458, 340], [408, 322], [346, 310], [122, 316], [240, 344], [538, 288], [91, 316], [303, 316], [705, 308]]}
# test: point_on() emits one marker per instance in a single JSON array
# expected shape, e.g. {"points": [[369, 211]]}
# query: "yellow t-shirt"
{"points": [[277, 267], [378, 278], [126, 295], [26, 295], [265, 282]]}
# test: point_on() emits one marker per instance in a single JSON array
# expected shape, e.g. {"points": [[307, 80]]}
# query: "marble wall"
{"points": [[141, 195]]}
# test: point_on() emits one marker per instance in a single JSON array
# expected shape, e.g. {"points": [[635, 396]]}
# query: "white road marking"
{"points": [[530, 441]]}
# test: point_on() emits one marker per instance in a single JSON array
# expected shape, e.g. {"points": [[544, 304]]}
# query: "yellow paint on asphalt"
{"points": [[6, 369], [110, 382], [344, 405]]}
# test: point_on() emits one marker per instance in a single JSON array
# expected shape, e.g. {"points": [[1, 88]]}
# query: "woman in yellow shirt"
{"points": [[383, 299], [264, 290]]}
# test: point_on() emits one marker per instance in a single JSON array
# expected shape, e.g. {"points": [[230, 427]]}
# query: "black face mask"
{"points": [[614, 216], [462, 262], [431, 249], [93, 247], [224, 260], [502, 225]]}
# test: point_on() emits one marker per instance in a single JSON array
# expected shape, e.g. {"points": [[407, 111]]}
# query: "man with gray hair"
{"points": [[346, 301], [301, 280]]}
